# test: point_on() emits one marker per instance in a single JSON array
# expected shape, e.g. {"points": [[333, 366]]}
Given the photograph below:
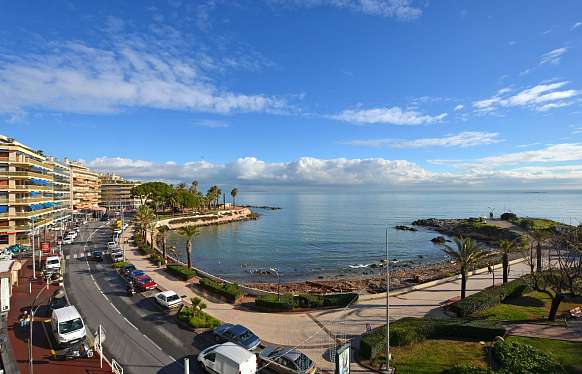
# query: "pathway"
{"points": [[549, 331]]}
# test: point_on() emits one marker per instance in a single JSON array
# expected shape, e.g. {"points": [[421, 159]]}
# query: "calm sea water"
{"points": [[319, 233]]}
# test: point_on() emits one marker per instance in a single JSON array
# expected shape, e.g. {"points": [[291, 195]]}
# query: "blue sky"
{"points": [[300, 92]]}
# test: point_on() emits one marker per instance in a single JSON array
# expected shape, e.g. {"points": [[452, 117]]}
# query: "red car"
{"points": [[144, 283]]}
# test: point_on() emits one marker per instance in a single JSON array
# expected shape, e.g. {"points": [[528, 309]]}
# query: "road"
{"points": [[139, 335]]}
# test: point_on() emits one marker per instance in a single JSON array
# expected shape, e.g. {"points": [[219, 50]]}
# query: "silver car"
{"points": [[287, 361]]}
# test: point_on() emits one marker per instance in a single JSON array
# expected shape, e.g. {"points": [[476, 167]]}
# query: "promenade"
{"points": [[320, 328]]}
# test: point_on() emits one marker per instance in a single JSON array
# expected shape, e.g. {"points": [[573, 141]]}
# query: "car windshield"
{"points": [[246, 335], [51, 262], [303, 362], [70, 326], [172, 298]]}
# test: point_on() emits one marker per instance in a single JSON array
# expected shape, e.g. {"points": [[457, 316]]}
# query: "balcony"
{"points": [[24, 174], [19, 160], [25, 200], [25, 187]]}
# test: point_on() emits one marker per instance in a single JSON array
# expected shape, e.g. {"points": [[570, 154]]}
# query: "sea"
{"points": [[325, 233]]}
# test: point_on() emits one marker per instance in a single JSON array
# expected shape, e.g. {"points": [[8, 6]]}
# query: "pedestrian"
{"points": [[25, 319]]}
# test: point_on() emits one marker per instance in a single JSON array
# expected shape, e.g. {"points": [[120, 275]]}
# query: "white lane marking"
{"points": [[151, 341], [114, 307], [75, 255], [128, 321], [67, 257]]}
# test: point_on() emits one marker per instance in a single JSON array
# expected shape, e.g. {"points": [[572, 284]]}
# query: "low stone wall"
{"points": [[217, 218]]}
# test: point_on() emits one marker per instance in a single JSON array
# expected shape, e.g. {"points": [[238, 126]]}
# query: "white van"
{"points": [[52, 263], [228, 358], [67, 325]]}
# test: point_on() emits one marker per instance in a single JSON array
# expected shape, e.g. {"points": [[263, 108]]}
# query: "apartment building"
{"points": [[116, 193], [85, 186], [62, 194], [26, 192]]}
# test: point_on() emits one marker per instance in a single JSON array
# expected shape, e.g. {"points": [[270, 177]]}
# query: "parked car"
{"points": [[67, 326], [237, 334], [116, 257], [97, 256], [111, 245], [287, 360], [228, 358], [127, 269], [168, 299], [144, 283], [134, 274], [57, 301], [52, 264], [67, 240]]}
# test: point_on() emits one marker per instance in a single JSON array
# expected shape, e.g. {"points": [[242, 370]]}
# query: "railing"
{"points": [[25, 200], [26, 174], [28, 187]]}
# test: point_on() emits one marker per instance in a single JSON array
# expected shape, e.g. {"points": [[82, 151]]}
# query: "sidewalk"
{"points": [[42, 349], [549, 331], [320, 328]]}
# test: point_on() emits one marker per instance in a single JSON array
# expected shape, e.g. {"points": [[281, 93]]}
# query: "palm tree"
{"points": [[466, 254], [162, 230], [194, 187], [506, 247], [144, 217], [189, 232], [233, 193], [539, 236]]}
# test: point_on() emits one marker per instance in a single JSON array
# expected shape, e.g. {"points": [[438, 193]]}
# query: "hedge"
{"points": [[489, 297], [197, 318], [231, 291], [304, 301], [410, 330], [181, 271], [117, 265], [517, 357]]}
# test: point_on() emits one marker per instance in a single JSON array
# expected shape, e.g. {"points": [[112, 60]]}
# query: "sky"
{"points": [[343, 93]]}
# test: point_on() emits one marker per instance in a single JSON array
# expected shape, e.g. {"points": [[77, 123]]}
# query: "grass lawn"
{"points": [[569, 354], [433, 356], [536, 223], [527, 307]]}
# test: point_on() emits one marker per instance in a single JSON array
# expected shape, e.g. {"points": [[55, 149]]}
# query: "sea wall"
{"points": [[215, 218]]}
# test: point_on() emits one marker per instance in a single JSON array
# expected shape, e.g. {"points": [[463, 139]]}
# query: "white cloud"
{"points": [[553, 56], [212, 123], [75, 77], [365, 173], [576, 130], [402, 9], [542, 97], [576, 25], [459, 107], [393, 116], [463, 140]]}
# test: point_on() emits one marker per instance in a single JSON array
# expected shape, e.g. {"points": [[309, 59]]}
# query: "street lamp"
{"points": [[274, 270], [388, 368]]}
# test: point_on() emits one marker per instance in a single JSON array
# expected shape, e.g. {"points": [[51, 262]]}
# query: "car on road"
{"points": [[111, 245], [127, 269], [57, 301], [144, 283], [286, 361], [237, 334], [97, 255], [67, 325], [67, 240], [53, 264], [168, 299], [134, 274], [117, 257], [228, 358]]}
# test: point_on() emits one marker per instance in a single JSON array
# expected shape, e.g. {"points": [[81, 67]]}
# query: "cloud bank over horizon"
{"points": [[550, 167]]}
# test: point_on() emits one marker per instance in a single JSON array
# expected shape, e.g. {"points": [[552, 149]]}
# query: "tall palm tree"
{"points": [[162, 230], [466, 254], [539, 236], [144, 217], [233, 193], [505, 248], [194, 187], [189, 232]]}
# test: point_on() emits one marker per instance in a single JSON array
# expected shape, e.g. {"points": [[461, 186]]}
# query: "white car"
{"points": [[52, 263], [116, 257], [168, 299], [67, 240], [111, 245], [72, 234]]}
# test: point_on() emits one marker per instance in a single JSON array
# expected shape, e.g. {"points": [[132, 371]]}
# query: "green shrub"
{"points": [[411, 330], [305, 301], [118, 265], [508, 216], [521, 358], [464, 369], [489, 297], [197, 318], [181, 271], [231, 291]]}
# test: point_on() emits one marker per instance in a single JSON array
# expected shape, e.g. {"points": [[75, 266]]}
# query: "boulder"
{"points": [[439, 240]]}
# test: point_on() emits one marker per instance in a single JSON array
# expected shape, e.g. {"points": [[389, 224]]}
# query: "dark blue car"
{"points": [[237, 334], [134, 274]]}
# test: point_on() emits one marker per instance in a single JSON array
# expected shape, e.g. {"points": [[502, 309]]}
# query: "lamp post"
{"points": [[388, 368], [32, 246], [274, 270]]}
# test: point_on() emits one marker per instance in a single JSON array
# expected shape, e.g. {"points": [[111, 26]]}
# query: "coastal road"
{"points": [[139, 335]]}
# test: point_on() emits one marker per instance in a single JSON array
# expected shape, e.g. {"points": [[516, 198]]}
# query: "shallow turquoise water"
{"points": [[321, 232]]}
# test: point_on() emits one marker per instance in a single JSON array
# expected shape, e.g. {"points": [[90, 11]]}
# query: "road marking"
{"points": [[128, 321], [75, 255], [151, 341], [114, 307], [170, 336]]}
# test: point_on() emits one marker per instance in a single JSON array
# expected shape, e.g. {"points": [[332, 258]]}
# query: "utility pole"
{"points": [[388, 369], [32, 245]]}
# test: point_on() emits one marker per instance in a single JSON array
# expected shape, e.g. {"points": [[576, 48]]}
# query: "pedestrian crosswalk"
{"points": [[79, 256]]}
